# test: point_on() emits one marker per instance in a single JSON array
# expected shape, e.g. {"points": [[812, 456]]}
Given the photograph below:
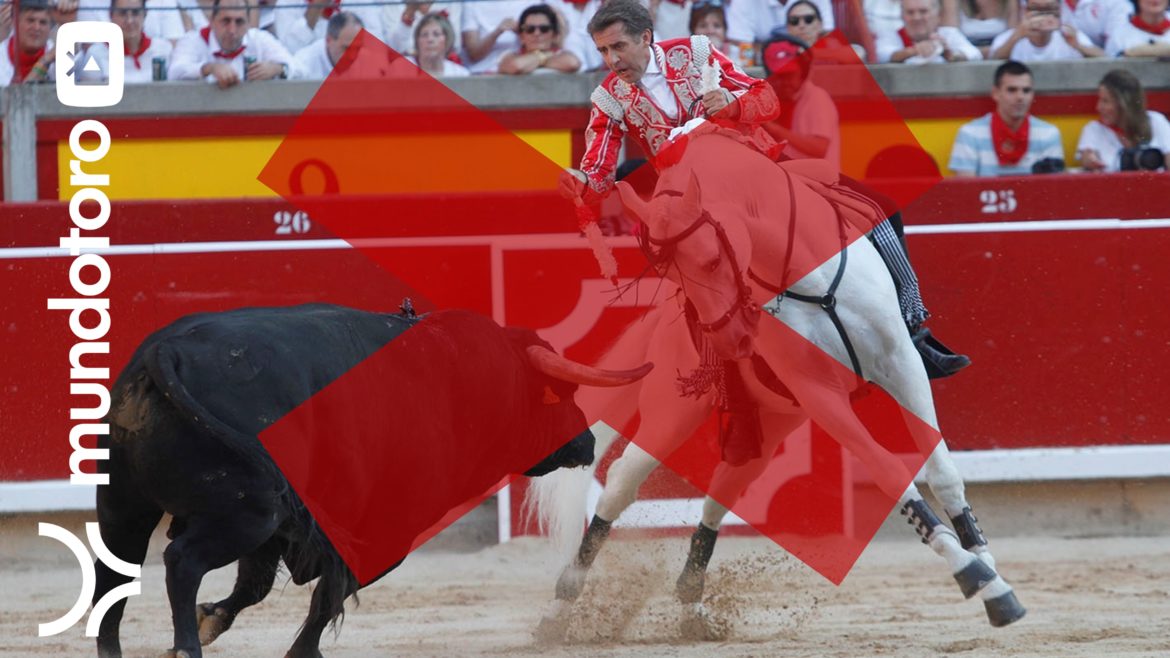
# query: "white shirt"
{"points": [[580, 43], [981, 29], [1100, 138], [883, 16], [673, 20], [7, 68], [144, 72], [889, 43], [483, 17], [1127, 36], [1057, 47], [450, 69], [293, 30], [1097, 18], [653, 82], [754, 20], [192, 52], [815, 115]]}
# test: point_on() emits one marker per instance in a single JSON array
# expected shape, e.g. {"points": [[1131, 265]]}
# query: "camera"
{"points": [[1142, 158], [1048, 166]]}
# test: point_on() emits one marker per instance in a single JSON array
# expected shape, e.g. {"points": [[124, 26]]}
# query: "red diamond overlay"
{"points": [[404, 156]]}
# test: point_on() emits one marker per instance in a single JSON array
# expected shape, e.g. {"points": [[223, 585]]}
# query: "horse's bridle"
{"points": [[743, 301]]}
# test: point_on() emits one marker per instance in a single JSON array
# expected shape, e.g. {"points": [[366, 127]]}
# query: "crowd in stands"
{"points": [[227, 42]]}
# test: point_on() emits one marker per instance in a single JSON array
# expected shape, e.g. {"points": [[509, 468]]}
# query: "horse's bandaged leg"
{"points": [[689, 587]]}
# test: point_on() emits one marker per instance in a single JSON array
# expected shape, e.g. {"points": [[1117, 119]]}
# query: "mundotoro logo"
{"points": [[73, 42]]}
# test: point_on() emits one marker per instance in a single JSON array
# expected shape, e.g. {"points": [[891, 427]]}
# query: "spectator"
{"points": [[922, 40], [194, 14], [708, 19], [808, 123], [1146, 34], [1040, 36], [29, 59], [576, 15], [297, 25], [1009, 140], [981, 20], [217, 52], [405, 19], [321, 58], [540, 50], [62, 12], [433, 39], [130, 15], [804, 23], [1123, 122], [751, 22], [489, 32], [164, 21]]}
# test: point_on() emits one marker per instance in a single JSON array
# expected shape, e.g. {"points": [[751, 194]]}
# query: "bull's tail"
{"points": [[557, 502], [162, 363]]}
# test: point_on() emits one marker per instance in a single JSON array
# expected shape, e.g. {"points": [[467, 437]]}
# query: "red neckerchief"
{"points": [[23, 62], [582, 3], [1010, 145], [331, 9], [1158, 29], [906, 40], [1072, 4], [142, 48], [206, 34]]}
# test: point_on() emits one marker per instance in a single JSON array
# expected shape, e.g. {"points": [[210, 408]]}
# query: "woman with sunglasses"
{"points": [[804, 23], [1123, 123], [540, 48]]}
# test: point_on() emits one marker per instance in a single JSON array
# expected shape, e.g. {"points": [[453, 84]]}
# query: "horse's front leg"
{"points": [[727, 484]]}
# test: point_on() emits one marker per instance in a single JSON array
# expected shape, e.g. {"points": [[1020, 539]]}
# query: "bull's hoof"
{"points": [[1004, 609], [212, 621], [554, 623], [974, 577], [699, 625]]}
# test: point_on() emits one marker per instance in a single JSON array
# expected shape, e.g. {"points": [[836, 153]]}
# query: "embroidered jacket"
{"points": [[620, 108]]}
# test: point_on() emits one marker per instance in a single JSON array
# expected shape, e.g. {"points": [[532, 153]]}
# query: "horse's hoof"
{"points": [[698, 624], [571, 583], [554, 623], [1004, 609], [171, 653], [212, 622], [974, 577]]}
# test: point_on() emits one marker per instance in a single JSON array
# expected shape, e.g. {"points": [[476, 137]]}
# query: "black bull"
{"points": [[187, 411]]}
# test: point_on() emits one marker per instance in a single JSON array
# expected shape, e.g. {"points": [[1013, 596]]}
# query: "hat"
{"points": [[783, 56]]}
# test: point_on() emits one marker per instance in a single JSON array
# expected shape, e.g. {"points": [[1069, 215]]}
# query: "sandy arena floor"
{"points": [[1106, 597]]}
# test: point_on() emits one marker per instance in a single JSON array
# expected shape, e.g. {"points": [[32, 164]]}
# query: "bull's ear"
{"points": [[634, 205], [550, 398], [692, 198]]}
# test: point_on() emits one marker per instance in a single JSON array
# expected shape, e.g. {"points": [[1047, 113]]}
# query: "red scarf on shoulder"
{"points": [[23, 62], [1010, 145], [142, 48], [1158, 29]]}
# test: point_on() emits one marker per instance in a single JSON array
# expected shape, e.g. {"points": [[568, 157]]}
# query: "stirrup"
{"points": [[940, 360]]}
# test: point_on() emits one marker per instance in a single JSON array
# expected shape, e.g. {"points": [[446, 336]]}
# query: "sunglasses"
{"points": [[808, 19], [533, 29]]}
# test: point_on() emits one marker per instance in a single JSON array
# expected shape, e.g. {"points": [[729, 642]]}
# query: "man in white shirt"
{"points": [[922, 41], [29, 58], [750, 22], [489, 31], [318, 60], [140, 48], [1040, 36], [217, 52], [297, 25]]}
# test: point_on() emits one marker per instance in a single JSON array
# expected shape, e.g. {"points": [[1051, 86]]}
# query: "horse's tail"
{"points": [[557, 501]]}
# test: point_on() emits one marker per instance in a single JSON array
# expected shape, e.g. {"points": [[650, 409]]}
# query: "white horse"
{"points": [[711, 243]]}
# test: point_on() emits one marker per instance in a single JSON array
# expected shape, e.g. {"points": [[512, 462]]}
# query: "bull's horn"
{"points": [[557, 366]]}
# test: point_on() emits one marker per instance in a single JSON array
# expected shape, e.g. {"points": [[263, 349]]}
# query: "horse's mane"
{"points": [[672, 153]]}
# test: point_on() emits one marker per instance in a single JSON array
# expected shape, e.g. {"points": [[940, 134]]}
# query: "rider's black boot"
{"points": [[939, 360]]}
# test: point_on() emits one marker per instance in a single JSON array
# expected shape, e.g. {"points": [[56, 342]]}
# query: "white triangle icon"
{"points": [[92, 66]]}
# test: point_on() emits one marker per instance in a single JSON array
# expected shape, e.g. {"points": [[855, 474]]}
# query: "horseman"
{"points": [[655, 88]]}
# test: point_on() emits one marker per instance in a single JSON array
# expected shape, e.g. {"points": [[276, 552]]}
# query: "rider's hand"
{"points": [[571, 184]]}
